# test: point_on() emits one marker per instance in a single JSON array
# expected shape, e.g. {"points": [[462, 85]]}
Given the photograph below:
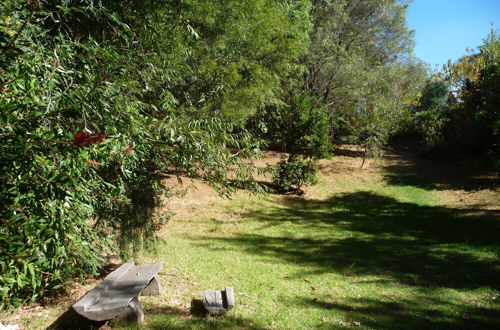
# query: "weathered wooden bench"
{"points": [[116, 296], [218, 302]]}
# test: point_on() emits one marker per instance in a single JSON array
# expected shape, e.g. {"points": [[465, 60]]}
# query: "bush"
{"points": [[299, 127], [291, 174], [429, 124], [96, 105]]}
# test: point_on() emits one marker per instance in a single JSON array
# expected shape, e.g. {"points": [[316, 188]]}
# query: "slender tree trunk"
{"points": [[364, 158]]}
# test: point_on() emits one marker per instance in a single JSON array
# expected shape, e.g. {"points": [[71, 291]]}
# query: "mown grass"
{"points": [[406, 244], [366, 251]]}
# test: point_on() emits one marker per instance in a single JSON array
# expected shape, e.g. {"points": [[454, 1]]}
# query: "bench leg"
{"points": [[133, 313], [153, 288]]}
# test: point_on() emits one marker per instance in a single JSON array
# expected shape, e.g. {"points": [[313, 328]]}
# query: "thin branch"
{"points": [[11, 43]]}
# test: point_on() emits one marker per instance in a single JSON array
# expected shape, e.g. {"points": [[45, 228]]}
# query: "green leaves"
{"points": [[290, 174], [360, 68], [158, 86], [469, 119], [299, 127]]}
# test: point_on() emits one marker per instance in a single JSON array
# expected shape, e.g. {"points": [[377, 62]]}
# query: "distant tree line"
{"points": [[458, 110]]}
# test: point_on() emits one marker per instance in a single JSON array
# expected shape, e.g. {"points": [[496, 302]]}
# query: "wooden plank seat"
{"points": [[116, 296]]}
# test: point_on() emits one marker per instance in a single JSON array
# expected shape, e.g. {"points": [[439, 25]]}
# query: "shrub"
{"points": [[299, 127], [429, 125], [291, 174]]}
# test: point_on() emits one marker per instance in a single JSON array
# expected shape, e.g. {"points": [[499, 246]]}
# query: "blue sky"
{"points": [[445, 28]]}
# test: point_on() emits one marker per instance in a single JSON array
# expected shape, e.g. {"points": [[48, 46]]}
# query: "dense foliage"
{"points": [[296, 127], [467, 119], [474, 122], [291, 173], [99, 100], [360, 68], [428, 120]]}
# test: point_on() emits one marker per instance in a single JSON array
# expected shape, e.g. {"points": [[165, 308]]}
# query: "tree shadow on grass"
{"points": [[415, 313], [176, 318], [161, 317], [468, 174], [367, 234], [349, 151]]}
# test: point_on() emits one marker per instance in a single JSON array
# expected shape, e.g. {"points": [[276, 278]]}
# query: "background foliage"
{"points": [[361, 69], [458, 111]]}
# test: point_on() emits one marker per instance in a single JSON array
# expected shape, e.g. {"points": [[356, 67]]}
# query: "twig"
{"points": [[45, 273]]}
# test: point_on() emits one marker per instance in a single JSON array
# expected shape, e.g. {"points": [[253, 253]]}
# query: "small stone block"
{"points": [[218, 302], [229, 295], [212, 300]]}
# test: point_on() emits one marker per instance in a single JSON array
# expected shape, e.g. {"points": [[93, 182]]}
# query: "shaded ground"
{"points": [[404, 243], [469, 174], [368, 234]]}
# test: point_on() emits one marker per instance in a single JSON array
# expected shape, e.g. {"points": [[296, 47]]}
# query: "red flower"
{"points": [[97, 138], [80, 139], [83, 138], [128, 150]]}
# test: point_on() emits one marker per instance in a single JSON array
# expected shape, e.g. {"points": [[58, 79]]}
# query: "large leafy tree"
{"points": [[360, 67], [229, 57], [434, 95]]}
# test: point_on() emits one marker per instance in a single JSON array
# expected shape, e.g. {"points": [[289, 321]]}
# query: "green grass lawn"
{"points": [[403, 245], [363, 251]]}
